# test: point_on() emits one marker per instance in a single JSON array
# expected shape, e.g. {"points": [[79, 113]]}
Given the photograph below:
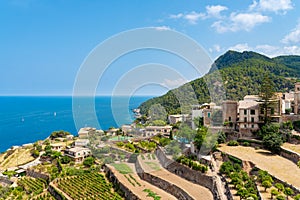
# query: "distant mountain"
{"points": [[241, 73]]}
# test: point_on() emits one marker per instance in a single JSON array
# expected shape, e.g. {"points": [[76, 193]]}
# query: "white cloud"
{"points": [[215, 48], [215, 11], [240, 21], [174, 83], [162, 28], [193, 17], [178, 16], [240, 47], [277, 6], [293, 36], [268, 50]]}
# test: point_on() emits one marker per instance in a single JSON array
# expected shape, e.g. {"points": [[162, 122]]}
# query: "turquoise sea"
{"points": [[27, 119]]}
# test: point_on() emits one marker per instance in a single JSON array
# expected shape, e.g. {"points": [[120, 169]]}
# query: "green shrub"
{"points": [[233, 143], [246, 144]]}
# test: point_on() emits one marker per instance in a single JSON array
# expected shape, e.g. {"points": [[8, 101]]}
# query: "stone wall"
{"points": [[291, 155], [56, 193], [188, 174], [5, 180], [36, 174], [129, 195], [162, 184]]}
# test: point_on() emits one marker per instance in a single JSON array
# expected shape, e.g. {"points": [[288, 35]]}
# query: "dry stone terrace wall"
{"points": [[188, 174], [36, 174], [293, 156], [162, 184], [129, 195]]}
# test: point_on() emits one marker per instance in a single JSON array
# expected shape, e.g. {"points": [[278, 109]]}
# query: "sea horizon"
{"points": [[26, 119]]}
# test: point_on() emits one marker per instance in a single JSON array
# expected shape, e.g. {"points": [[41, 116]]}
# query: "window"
{"points": [[272, 111], [245, 112], [252, 126], [245, 125], [245, 119], [252, 119], [262, 111], [252, 112], [229, 119], [208, 114]]}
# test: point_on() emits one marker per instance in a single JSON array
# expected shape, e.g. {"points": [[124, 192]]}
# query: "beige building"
{"points": [[78, 154], [249, 112], [230, 113], [57, 146], [81, 142], [84, 132], [154, 130], [173, 119]]}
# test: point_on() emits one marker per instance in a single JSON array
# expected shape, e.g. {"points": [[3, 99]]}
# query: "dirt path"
{"points": [[195, 191], [138, 190], [276, 165]]}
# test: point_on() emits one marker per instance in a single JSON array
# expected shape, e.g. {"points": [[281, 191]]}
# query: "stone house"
{"points": [[78, 154]]}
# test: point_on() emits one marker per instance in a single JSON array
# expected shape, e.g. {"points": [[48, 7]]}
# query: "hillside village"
{"points": [[152, 159]]}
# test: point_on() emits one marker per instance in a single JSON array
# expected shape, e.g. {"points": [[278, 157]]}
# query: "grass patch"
{"points": [[153, 156], [122, 168], [153, 165]]}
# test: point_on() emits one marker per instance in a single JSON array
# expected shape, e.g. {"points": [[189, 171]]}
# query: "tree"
{"points": [[273, 142], [65, 159], [279, 186], [266, 184], [242, 192], [89, 161], [35, 153], [274, 192], [267, 91], [200, 136], [185, 133], [297, 197], [288, 192], [280, 197]]}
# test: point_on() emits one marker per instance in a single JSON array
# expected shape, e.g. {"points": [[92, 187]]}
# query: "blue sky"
{"points": [[44, 42]]}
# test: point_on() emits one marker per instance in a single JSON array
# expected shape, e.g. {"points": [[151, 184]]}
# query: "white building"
{"points": [[173, 119], [81, 142], [154, 130], [78, 154]]}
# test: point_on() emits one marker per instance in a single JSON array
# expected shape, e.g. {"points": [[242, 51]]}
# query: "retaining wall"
{"points": [[112, 178], [36, 174], [188, 174], [291, 155], [162, 184]]}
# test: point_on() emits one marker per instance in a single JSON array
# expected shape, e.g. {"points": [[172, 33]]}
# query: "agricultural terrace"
{"points": [[293, 147], [87, 186], [13, 158], [126, 174], [194, 190], [265, 160]]}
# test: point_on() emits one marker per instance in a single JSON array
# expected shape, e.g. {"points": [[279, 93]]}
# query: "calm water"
{"points": [[27, 119]]}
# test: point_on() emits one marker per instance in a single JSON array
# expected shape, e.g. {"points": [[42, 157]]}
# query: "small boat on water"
{"points": [[22, 119], [54, 114]]}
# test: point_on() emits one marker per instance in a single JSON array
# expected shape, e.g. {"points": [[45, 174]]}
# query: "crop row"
{"points": [[87, 186]]}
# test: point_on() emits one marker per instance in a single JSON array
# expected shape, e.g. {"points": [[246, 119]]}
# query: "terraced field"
{"points": [[194, 190], [276, 165], [136, 185], [87, 186]]}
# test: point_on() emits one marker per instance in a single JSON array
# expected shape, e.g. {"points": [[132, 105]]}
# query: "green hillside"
{"points": [[241, 73]]}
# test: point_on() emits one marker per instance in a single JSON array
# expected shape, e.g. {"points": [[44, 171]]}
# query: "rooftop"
{"points": [[247, 104]]}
